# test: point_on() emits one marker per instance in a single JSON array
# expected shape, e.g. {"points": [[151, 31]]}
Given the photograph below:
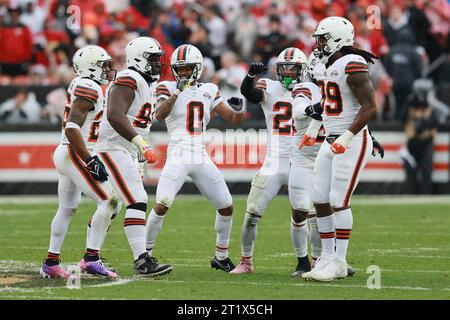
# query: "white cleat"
{"points": [[243, 267], [341, 268], [324, 270]]}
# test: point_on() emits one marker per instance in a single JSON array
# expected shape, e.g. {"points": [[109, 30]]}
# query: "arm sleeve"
{"points": [[252, 94], [302, 99], [300, 104]]}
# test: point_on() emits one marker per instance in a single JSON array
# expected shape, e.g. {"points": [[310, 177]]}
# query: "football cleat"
{"points": [[107, 264], [325, 270], [245, 266], [97, 268], [55, 271], [341, 268], [350, 271], [303, 266], [149, 267], [225, 264]]}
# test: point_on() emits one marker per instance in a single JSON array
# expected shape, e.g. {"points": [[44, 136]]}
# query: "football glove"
{"points": [[97, 169], [341, 143], [145, 149], [314, 111], [309, 137], [377, 148], [182, 84], [256, 68], [237, 104]]}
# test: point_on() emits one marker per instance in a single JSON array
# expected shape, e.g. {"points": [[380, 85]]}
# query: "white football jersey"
{"points": [[339, 104], [277, 107], [305, 94], [191, 112], [140, 113], [87, 89]]}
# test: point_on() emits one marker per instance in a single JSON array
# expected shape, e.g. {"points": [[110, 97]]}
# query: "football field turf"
{"points": [[407, 238]]}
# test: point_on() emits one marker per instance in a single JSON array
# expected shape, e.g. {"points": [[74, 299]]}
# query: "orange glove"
{"points": [[307, 141], [341, 143], [309, 137], [145, 149]]}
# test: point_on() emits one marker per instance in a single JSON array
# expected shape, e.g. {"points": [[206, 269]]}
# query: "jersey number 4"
{"points": [[194, 117], [331, 98], [282, 122]]}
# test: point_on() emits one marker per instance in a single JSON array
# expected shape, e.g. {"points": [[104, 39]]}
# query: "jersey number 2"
{"points": [[282, 122]]}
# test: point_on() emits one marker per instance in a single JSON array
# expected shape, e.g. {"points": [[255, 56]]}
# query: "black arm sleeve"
{"points": [[251, 93]]}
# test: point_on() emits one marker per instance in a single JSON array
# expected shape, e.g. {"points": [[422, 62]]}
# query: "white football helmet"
{"points": [[145, 55], [291, 66], [331, 35], [187, 55], [93, 62]]}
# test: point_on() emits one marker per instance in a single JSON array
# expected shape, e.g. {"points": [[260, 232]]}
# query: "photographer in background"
{"points": [[420, 129]]}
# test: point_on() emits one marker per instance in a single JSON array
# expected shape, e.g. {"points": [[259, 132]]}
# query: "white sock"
{"points": [[314, 237], [134, 225], [327, 230], [299, 238], [248, 234], [59, 227], [223, 230], [344, 223], [99, 225], [154, 225], [115, 212]]}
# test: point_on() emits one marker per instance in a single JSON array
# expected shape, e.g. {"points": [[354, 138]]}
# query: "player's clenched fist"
{"points": [[342, 142], [145, 149], [97, 169], [256, 68], [236, 104]]}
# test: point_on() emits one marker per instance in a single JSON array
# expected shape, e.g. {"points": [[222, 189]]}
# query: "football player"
{"points": [[130, 104], [349, 105], [79, 169], [186, 106], [276, 98]]}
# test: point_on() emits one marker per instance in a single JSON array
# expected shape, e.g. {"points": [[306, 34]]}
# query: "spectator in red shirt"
{"points": [[16, 45]]}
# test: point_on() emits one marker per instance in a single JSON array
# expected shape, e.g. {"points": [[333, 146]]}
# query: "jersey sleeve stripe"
{"points": [[217, 95], [356, 71], [304, 91], [356, 67], [162, 90], [127, 81], [261, 84], [88, 95], [94, 92]]}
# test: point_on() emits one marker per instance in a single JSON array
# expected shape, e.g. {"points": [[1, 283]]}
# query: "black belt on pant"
{"points": [[332, 138]]}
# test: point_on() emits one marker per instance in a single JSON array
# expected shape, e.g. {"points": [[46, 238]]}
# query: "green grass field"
{"points": [[408, 238]]}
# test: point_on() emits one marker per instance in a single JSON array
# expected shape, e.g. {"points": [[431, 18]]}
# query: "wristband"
{"points": [[140, 143], [346, 137], [177, 92], [72, 125]]}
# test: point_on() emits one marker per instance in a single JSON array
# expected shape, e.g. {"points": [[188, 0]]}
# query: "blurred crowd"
{"points": [[39, 37]]}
